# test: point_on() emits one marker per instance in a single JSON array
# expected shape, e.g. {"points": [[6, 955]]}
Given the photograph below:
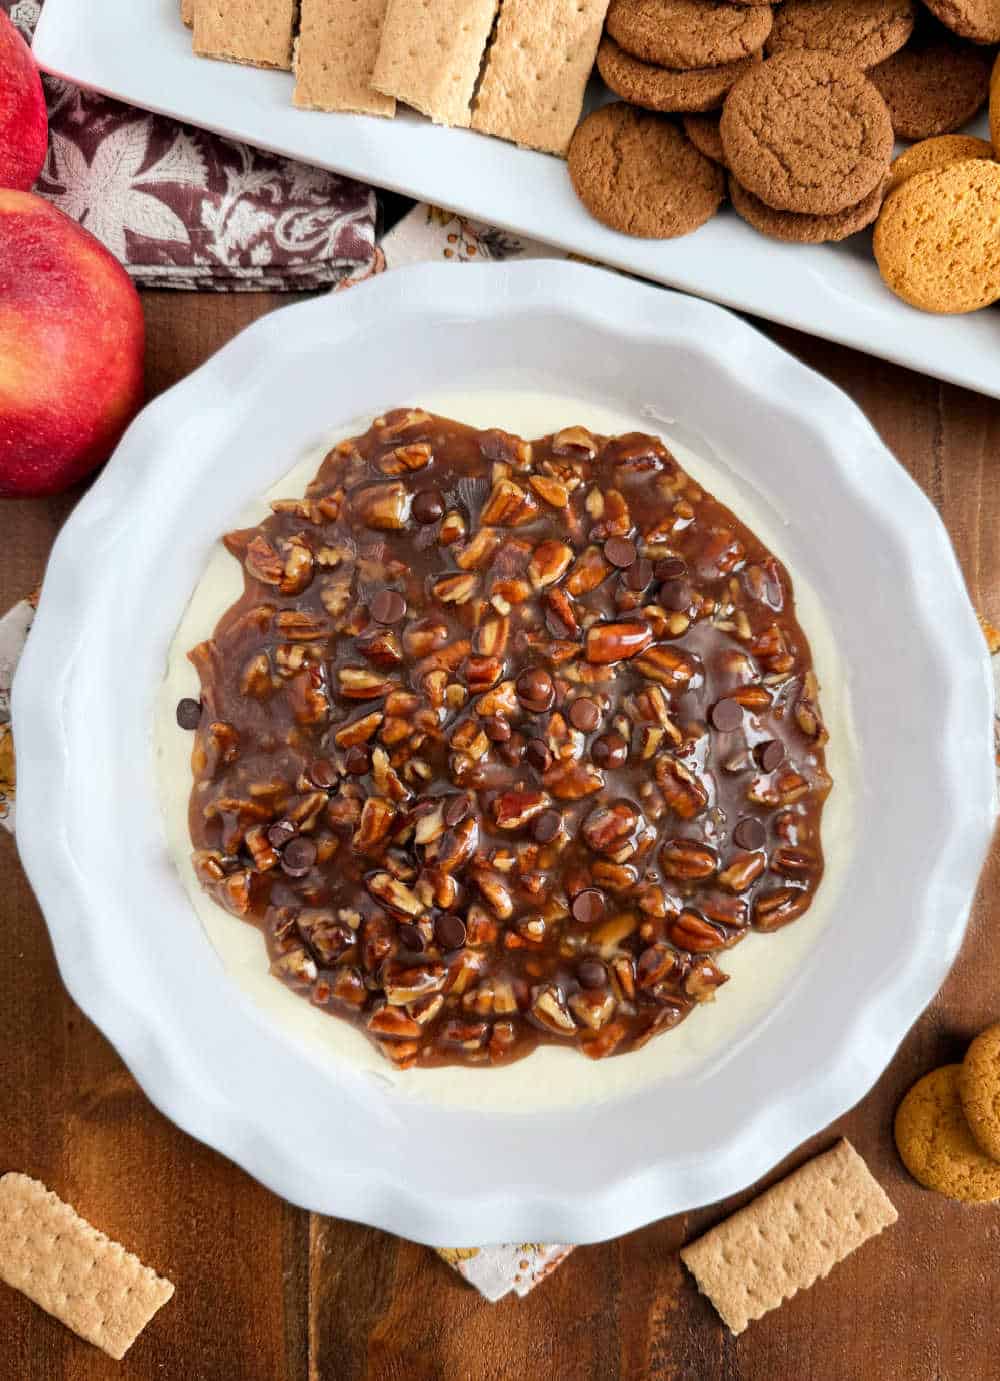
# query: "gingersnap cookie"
{"points": [[806, 132], [935, 1143], [638, 173], [796, 228], [979, 1090], [703, 131], [934, 85], [861, 31], [936, 153], [937, 239], [995, 107], [667, 88], [688, 33], [978, 20]]}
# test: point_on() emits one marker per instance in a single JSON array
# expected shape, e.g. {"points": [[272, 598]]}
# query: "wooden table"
{"points": [[267, 1291]]}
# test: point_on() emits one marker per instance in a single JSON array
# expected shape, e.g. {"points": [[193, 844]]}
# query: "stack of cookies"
{"points": [[680, 55], [799, 103], [948, 1125]]}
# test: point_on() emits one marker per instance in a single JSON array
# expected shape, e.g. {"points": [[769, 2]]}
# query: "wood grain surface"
{"points": [[266, 1291]]}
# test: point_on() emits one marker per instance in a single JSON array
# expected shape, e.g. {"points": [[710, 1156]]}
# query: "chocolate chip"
{"points": [[427, 507], [669, 568], [538, 754], [449, 931], [675, 595], [357, 761], [456, 810], [410, 937], [639, 574], [620, 551], [388, 606], [749, 833], [513, 750], [188, 713], [726, 715], [610, 750], [298, 858], [588, 906], [322, 773], [497, 730], [770, 754], [535, 690], [546, 826], [280, 833], [592, 974], [584, 715]]}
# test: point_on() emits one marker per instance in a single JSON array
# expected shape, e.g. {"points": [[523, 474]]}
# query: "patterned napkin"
{"points": [[181, 208]]}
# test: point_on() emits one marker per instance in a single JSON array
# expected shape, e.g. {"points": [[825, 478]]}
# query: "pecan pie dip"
{"points": [[505, 742]]}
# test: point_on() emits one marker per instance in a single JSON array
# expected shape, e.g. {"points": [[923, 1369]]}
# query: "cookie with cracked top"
{"points": [[638, 173], [936, 1145], [934, 85], [978, 20], [864, 32], [667, 88], [807, 132], [688, 33], [796, 228], [979, 1090]]}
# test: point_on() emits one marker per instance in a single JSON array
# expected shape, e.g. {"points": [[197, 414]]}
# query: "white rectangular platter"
{"points": [[139, 51]]}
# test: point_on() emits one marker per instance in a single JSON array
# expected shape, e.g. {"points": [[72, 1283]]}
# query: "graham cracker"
{"points": [[255, 32], [86, 1281], [335, 56], [537, 71], [187, 12], [789, 1237], [431, 53]]}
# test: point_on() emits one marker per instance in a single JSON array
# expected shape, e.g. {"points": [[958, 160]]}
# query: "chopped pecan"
{"points": [[687, 860], [509, 505], [772, 910], [382, 506], [608, 643], [741, 872], [549, 1009], [682, 790], [692, 932]]}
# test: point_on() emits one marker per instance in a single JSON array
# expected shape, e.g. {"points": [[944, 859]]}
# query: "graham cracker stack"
{"points": [[537, 71], [335, 56], [431, 54], [187, 12], [255, 32]]}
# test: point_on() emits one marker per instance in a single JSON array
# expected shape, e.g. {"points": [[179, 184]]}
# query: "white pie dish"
{"points": [[129, 945]]}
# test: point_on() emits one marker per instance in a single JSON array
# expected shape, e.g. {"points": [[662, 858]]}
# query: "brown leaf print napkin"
{"points": [[181, 208]]}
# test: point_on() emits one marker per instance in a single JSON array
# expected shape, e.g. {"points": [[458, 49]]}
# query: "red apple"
{"points": [[24, 125], [72, 341]]}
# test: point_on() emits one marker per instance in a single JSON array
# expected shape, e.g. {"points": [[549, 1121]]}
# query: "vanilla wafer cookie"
{"points": [[255, 32], [335, 56], [790, 1237], [537, 70], [86, 1281], [430, 55]]}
